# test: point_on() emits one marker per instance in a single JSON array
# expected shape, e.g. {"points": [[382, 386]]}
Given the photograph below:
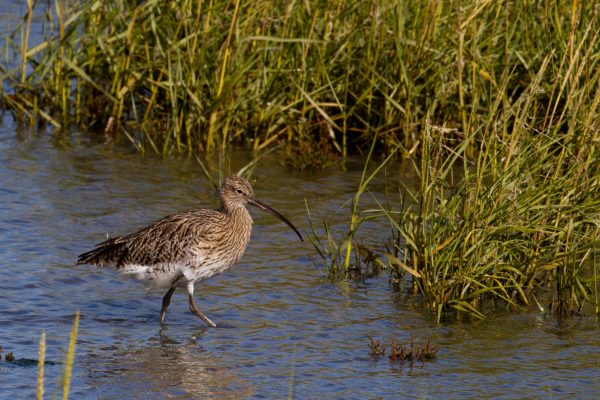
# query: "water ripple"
{"points": [[282, 323]]}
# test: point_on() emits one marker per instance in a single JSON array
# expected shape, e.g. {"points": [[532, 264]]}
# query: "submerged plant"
{"points": [[401, 353], [412, 352], [376, 349]]}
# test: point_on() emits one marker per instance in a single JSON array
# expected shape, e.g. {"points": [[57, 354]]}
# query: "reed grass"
{"points": [[195, 76], [515, 224], [338, 253], [504, 232], [65, 382], [507, 212], [39, 394], [483, 233]]}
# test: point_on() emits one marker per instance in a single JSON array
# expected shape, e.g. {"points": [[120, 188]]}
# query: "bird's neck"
{"points": [[237, 214], [240, 225]]}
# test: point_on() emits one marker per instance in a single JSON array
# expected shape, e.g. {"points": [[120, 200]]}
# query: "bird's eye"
{"points": [[239, 191]]}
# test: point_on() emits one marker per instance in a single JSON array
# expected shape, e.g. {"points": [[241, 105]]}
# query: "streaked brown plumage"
{"points": [[186, 247]]}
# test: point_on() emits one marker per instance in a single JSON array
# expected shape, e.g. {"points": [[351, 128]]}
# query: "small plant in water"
{"points": [[338, 254], [423, 352], [401, 353], [376, 348]]}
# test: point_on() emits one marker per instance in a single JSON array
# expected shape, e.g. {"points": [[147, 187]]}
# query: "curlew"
{"points": [[187, 247]]}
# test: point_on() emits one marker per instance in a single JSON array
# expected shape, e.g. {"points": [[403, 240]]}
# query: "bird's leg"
{"points": [[165, 304], [194, 309]]}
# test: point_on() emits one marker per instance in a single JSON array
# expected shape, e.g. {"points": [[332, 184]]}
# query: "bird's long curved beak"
{"points": [[276, 213]]}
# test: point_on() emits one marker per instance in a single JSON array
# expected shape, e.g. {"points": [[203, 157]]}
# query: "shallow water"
{"points": [[284, 330]]}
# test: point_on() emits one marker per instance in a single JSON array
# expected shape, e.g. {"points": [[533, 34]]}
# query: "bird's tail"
{"points": [[108, 252]]}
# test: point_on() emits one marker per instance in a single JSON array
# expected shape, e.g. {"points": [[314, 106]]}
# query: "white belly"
{"points": [[173, 274]]}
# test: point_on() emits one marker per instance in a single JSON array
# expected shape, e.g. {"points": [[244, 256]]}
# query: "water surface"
{"points": [[285, 330]]}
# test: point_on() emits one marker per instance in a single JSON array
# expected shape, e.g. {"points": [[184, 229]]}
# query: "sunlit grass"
{"points": [[503, 232], [194, 76], [337, 252], [41, 362], [65, 382], [507, 211]]}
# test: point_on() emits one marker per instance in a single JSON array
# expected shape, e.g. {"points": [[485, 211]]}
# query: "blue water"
{"points": [[285, 330]]}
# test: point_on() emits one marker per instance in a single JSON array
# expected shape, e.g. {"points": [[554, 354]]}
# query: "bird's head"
{"points": [[237, 192]]}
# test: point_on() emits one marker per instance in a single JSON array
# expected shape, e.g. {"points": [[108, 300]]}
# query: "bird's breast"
{"points": [[223, 250]]}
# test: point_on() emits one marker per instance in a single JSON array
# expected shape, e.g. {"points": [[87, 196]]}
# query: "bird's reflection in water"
{"points": [[176, 368]]}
